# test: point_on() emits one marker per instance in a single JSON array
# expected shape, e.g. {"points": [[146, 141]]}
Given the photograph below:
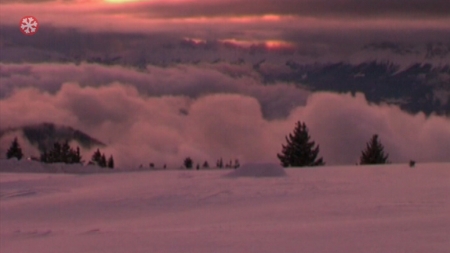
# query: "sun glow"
{"points": [[122, 1], [276, 45]]}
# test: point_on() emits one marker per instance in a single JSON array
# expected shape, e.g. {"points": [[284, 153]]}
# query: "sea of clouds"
{"points": [[163, 115]]}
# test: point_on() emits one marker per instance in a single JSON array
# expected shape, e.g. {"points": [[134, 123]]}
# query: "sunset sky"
{"points": [[319, 28], [283, 21], [199, 57]]}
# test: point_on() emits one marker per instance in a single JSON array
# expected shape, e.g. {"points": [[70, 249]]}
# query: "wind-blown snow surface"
{"points": [[258, 170], [329, 209]]}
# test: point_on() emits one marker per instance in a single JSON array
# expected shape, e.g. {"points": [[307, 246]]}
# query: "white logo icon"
{"points": [[29, 25]]}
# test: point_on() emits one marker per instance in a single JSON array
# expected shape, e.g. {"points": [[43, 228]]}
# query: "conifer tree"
{"points": [[76, 156], [65, 152], [96, 157], [103, 161], [219, 163], [236, 164], [55, 153], [69, 155], [61, 154], [300, 151], [188, 163], [374, 152], [44, 157], [111, 162], [15, 151], [99, 159]]}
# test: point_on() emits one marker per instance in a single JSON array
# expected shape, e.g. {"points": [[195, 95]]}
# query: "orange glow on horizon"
{"points": [[122, 1], [241, 43], [272, 17], [276, 45]]}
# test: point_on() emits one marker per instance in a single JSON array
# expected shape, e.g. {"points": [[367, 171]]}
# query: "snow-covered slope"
{"points": [[12, 165], [329, 209], [258, 170]]}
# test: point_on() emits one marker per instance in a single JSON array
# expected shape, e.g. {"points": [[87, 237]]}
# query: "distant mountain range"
{"points": [[430, 50], [417, 88], [44, 135], [414, 75]]}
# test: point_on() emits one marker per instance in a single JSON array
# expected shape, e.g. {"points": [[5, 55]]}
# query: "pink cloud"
{"points": [[139, 129]]}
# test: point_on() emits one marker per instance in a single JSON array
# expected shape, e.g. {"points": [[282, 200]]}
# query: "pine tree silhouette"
{"points": [[103, 162], [76, 156], [55, 153], [99, 159], [44, 157], [219, 163], [65, 152], [14, 151], [96, 157], [236, 164], [111, 162], [374, 152], [188, 163], [299, 151], [61, 154]]}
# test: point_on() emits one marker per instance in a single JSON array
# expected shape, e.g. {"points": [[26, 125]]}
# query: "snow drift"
{"points": [[258, 170]]}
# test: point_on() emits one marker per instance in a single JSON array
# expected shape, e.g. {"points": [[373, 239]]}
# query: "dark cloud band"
{"points": [[340, 8]]}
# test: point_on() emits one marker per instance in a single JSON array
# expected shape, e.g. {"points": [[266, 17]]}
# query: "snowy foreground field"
{"points": [[378, 209]]}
